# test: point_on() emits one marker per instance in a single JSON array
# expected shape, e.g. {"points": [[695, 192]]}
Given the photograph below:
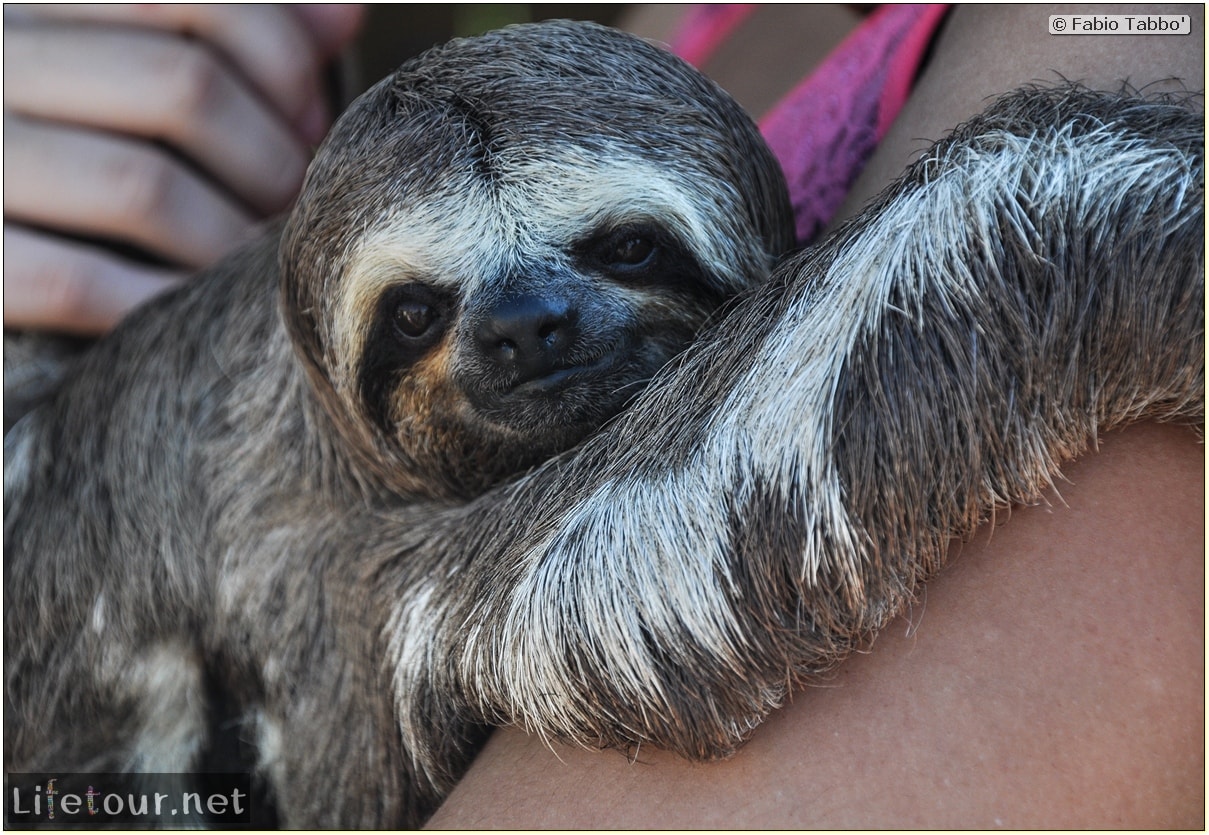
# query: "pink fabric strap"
{"points": [[824, 130], [705, 26]]}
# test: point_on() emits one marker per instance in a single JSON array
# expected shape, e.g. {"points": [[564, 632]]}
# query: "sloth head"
{"points": [[498, 245]]}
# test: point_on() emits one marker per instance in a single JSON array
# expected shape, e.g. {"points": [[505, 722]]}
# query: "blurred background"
{"points": [[394, 32]]}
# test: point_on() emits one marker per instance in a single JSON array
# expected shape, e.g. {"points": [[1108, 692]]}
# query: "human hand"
{"points": [[168, 130]]}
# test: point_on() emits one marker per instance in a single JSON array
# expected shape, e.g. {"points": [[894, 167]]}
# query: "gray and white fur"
{"points": [[771, 499], [781, 491], [494, 250]]}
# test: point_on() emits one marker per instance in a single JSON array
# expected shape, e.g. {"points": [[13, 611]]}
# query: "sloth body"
{"points": [[292, 500], [493, 252]]}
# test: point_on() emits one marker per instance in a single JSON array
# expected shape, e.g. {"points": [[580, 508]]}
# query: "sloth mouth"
{"points": [[572, 398], [564, 378]]}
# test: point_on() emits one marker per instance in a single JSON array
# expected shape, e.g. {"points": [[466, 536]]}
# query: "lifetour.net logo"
{"points": [[139, 801]]}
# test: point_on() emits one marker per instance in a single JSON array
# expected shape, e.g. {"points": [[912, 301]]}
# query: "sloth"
{"points": [[494, 250], [765, 503]]}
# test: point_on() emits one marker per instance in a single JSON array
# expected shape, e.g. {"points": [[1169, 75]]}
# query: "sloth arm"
{"points": [[1047, 678], [1052, 675]]}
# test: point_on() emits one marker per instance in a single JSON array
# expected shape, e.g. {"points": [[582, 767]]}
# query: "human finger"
{"points": [[89, 183], [332, 25], [59, 285], [269, 45], [155, 86]]}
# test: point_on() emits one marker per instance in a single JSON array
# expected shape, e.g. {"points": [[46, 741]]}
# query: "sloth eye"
{"points": [[625, 251], [413, 318], [632, 252]]}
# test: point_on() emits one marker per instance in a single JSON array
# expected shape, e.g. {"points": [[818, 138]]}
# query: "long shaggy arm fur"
{"points": [[770, 502]]}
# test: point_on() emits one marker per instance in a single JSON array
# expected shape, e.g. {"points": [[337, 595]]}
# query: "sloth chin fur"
{"points": [[223, 499]]}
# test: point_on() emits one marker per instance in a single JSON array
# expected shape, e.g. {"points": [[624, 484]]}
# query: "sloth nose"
{"points": [[529, 335]]}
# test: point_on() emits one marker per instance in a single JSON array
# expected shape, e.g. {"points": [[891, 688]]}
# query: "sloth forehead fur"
{"points": [[495, 167]]}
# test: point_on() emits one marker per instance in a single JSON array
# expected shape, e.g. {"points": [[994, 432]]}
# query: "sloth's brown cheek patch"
{"points": [[423, 390], [407, 339]]}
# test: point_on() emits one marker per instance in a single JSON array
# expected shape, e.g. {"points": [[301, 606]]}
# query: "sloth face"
{"points": [[509, 324], [547, 345], [501, 244]]}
